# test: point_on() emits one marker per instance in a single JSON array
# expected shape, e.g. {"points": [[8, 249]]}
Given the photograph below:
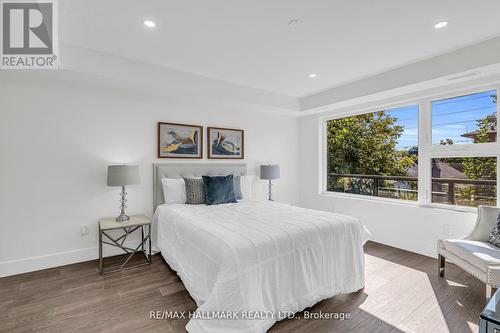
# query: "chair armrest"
{"points": [[486, 220], [493, 276]]}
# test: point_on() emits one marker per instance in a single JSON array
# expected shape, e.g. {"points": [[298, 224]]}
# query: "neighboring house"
{"points": [[492, 133], [440, 169]]}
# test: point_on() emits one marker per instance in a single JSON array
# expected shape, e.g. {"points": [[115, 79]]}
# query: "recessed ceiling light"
{"points": [[149, 24], [312, 75], [440, 25]]}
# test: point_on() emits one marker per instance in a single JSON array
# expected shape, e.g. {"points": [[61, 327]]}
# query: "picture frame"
{"points": [[180, 140], [225, 143]]}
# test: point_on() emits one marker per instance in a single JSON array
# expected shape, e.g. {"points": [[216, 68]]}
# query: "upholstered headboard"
{"points": [[180, 170]]}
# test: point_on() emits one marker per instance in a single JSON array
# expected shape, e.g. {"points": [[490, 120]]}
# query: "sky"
{"points": [[450, 118]]}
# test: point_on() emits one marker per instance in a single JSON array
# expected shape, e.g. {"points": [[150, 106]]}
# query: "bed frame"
{"points": [[179, 170]]}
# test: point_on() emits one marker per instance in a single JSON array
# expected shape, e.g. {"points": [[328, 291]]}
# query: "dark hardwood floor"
{"points": [[402, 294]]}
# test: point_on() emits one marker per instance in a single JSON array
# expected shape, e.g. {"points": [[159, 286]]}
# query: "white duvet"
{"points": [[260, 259]]}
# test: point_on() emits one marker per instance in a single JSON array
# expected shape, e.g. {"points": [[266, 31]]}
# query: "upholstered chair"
{"points": [[473, 253]]}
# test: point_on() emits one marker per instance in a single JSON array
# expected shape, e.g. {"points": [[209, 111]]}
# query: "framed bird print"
{"points": [[180, 141], [225, 143]]}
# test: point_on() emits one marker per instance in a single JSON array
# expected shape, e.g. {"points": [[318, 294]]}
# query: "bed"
{"points": [[252, 263]]}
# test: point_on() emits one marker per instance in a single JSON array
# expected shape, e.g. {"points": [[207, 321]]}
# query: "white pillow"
{"points": [[174, 190], [246, 186]]}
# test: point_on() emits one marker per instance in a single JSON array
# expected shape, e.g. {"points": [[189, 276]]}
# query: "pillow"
{"points": [[174, 191], [219, 189], [237, 188], [495, 233], [246, 186], [195, 191]]}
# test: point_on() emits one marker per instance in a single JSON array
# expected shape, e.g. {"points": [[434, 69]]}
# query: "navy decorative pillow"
{"points": [[219, 189], [495, 233]]}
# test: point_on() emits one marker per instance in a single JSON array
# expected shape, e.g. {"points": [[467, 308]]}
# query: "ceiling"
{"points": [[250, 42]]}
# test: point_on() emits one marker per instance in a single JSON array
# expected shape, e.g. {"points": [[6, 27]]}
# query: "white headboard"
{"points": [[180, 170]]}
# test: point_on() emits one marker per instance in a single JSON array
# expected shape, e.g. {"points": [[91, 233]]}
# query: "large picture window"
{"points": [[438, 151], [374, 154]]}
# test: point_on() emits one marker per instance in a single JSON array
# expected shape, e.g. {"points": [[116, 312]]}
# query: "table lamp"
{"points": [[270, 172], [123, 175]]}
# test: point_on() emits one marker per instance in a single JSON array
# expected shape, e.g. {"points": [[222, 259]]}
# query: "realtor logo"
{"points": [[29, 34]]}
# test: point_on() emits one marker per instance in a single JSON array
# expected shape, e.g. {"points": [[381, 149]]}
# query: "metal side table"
{"points": [[137, 222], [489, 319]]}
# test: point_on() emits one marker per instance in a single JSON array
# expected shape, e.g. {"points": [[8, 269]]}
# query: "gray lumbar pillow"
{"points": [[195, 191], [237, 187], [495, 233]]}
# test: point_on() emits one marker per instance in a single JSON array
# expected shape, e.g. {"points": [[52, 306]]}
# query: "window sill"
{"points": [[399, 202]]}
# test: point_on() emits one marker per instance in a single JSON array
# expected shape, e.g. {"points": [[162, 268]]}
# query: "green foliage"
{"points": [[478, 168], [482, 167], [366, 144], [446, 142]]}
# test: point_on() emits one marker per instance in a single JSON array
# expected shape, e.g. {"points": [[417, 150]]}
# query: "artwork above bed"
{"points": [[225, 143], [180, 141], [186, 141]]}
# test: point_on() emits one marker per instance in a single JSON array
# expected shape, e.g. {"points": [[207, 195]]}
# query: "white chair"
{"points": [[473, 253]]}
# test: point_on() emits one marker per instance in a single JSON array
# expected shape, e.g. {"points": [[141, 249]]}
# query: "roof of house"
{"points": [[440, 169], [473, 134]]}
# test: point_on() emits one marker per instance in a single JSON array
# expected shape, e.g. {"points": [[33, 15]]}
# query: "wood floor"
{"points": [[403, 294]]}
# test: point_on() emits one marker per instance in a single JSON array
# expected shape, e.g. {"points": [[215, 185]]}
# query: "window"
{"points": [[374, 154], [467, 178], [464, 181], [465, 119], [455, 150]]}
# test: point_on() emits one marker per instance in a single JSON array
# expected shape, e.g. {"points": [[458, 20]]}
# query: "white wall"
{"points": [[409, 227], [57, 135]]}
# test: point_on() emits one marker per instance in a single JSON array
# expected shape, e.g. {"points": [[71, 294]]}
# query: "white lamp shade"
{"points": [[121, 175], [271, 171]]}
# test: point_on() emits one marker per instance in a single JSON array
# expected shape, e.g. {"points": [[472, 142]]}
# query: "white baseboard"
{"points": [[426, 249], [47, 261], [71, 257], [32, 264]]}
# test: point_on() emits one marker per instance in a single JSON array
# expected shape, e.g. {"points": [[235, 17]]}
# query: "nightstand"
{"points": [[136, 222]]}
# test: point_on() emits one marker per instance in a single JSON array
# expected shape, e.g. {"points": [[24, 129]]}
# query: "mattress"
{"points": [[249, 264]]}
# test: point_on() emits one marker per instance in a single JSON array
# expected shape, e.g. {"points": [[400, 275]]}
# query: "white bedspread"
{"points": [[262, 257]]}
